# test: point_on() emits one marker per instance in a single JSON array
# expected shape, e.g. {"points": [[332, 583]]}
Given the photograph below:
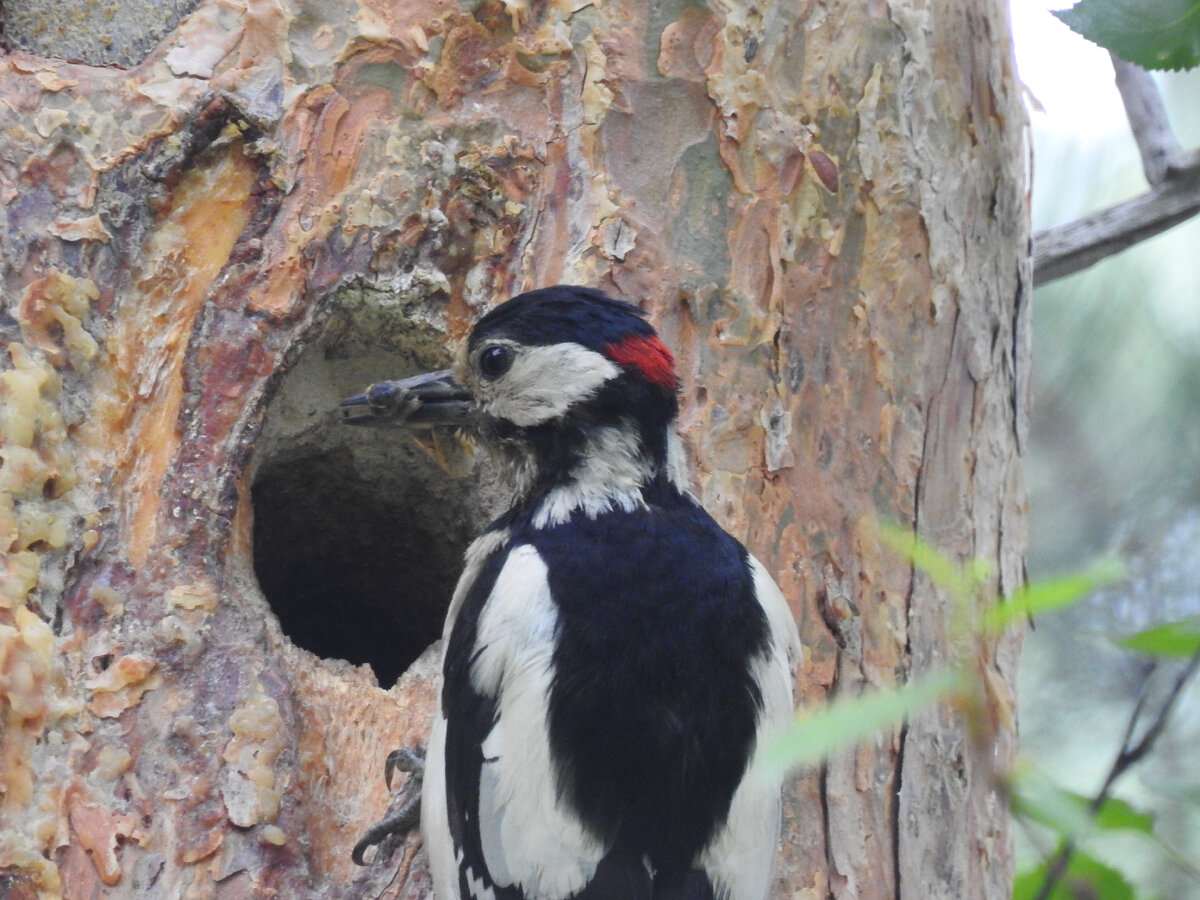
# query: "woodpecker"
{"points": [[612, 657]]}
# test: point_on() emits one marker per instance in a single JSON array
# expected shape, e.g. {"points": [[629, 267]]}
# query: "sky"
{"points": [[1070, 77]]}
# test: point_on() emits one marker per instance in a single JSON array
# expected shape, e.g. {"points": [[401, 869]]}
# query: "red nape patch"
{"points": [[647, 354]]}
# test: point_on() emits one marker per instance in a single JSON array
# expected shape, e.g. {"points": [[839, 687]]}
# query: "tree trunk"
{"points": [[822, 206]]}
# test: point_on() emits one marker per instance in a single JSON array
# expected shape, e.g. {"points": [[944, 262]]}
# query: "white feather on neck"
{"points": [[609, 476]]}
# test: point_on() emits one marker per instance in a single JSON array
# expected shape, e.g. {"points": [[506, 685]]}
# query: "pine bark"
{"points": [[823, 207]]}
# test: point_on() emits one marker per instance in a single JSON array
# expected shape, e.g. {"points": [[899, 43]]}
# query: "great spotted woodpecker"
{"points": [[612, 658]]}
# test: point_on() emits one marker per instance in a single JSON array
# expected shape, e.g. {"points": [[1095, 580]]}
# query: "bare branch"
{"points": [[1147, 118], [1065, 249], [1173, 173]]}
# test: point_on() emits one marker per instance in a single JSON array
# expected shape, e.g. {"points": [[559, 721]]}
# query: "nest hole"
{"points": [[353, 567], [358, 534]]}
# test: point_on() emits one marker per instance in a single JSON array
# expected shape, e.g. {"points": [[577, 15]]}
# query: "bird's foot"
{"points": [[404, 812]]}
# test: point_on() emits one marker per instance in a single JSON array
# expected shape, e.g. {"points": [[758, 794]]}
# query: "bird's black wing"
{"points": [[656, 705], [512, 831]]}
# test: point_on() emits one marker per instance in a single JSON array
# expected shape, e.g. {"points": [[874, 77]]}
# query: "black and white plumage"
{"points": [[612, 658]]}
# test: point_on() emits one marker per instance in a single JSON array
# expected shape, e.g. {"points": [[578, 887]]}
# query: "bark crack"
{"points": [[826, 825], [1019, 313], [897, 847]]}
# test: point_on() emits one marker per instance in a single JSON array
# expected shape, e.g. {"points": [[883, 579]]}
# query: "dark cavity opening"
{"points": [[358, 533], [355, 567]]}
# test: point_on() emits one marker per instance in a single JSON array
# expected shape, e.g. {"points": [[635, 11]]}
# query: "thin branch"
{"points": [[1147, 118], [1066, 249], [1174, 197], [1130, 754]]}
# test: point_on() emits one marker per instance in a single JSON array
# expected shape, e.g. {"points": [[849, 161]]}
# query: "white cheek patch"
{"points": [[544, 382]]}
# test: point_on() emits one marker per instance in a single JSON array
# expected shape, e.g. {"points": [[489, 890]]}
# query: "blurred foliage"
{"points": [[1037, 799], [1180, 638], [1086, 879], [1070, 820], [1154, 34], [846, 721], [1049, 594], [1112, 468]]}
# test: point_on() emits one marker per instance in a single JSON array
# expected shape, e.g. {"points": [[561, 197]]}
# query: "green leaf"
{"points": [[1103, 882], [1117, 815], [1180, 638], [1154, 34], [847, 721], [1050, 594], [942, 570], [1069, 814]]}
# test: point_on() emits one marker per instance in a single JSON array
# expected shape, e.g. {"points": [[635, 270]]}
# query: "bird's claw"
{"points": [[405, 759], [407, 803]]}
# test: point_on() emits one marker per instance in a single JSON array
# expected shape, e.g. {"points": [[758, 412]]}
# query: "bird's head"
{"points": [[562, 383]]}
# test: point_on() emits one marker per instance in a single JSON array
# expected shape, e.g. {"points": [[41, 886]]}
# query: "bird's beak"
{"points": [[422, 401]]}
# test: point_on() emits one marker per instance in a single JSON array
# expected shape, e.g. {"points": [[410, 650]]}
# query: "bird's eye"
{"points": [[495, 360]]}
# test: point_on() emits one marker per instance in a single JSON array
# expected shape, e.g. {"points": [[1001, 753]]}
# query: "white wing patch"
{"points": [[529, 838], [477, 554], [740, 859], [478, 889], [435, 820], [785, 636]]}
